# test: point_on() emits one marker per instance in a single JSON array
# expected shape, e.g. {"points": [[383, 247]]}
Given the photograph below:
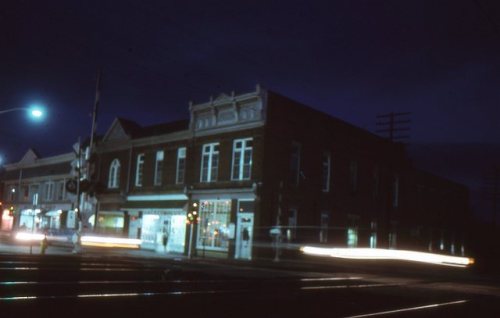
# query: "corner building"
{"points": [[245, 166]]}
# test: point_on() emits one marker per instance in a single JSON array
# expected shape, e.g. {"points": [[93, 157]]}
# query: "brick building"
{"points": [[249, 165], [35, 196]]}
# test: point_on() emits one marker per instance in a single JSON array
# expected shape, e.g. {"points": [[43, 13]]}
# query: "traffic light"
{"points": [[11, 211], [193, 217]]}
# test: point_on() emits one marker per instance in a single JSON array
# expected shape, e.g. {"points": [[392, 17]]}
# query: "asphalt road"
{"points": [[95, 285]]}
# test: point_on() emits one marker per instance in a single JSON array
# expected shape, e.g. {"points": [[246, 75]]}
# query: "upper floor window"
{"points": [[11, 193], [242, 159], [139, 170], [114, 174], [353, 171], [25, 192], [395, 192], [181, 165], [295, 164], [49, 191], [325, 172], [210, 162], [59, 191], [33, 192], [158, 167]]}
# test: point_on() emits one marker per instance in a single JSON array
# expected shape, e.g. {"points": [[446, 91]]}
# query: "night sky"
{"points": [[439, 60]]}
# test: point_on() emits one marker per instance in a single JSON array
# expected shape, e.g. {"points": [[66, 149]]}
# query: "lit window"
{"points": [[158, 167], [352, 237], [325, 173], [242, 159], [373, 235], [210, 162], [139, 171], [213, 230], [181, 165], [114, 174]]}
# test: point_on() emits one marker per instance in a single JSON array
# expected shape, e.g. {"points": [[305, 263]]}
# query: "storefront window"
{"points": [[110, 222], [213, 230], [352, 237]]}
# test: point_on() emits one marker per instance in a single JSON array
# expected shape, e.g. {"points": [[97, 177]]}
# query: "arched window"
{"points": [[114, 174]]}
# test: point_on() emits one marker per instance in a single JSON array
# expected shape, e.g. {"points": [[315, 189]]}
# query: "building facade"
{"points": [[35, 197], [259, 174], [247, 166]]}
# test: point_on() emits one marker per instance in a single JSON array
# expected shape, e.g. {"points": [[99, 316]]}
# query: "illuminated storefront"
{"points": [[51, 220], [30, 219], [7, 221], [214, 229], [110, 222], [159, 225]]}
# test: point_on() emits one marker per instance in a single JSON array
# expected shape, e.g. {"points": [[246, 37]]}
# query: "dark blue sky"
{"points": [[439, 60]]}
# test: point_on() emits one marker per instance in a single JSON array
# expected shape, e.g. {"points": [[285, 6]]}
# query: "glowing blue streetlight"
{"points": [[37, 113], [34, 112]]}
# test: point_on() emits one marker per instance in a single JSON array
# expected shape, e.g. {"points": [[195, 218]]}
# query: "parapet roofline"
{"points": [[66, 157]]}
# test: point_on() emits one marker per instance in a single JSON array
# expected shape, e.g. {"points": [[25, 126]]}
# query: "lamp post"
{"points": [[34, 112]]}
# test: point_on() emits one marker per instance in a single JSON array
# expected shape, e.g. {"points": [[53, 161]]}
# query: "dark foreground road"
{"points": [[83, 286]]}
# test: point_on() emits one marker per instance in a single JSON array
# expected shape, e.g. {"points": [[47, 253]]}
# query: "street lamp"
{"points": [[35, 112]]}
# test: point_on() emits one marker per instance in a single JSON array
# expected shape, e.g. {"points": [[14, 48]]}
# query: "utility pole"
{"points": [[78, 179], [392, 124], [89, 168], [94, 111]]}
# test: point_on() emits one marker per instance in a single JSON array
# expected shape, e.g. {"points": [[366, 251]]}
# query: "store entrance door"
{"points": [[244, 236]]}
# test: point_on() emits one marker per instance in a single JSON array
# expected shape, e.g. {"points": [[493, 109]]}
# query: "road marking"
{"points": [[410, 309]]}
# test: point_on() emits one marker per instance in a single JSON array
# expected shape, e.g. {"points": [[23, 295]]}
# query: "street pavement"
{"points": [[102, 282]]}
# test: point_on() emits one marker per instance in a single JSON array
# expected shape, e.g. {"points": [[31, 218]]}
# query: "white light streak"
{"points": [[320, 279], [108, 295], [18, 298], [25, 236], [105, 241], [348, 286], [409, 309], [388, 254]]}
